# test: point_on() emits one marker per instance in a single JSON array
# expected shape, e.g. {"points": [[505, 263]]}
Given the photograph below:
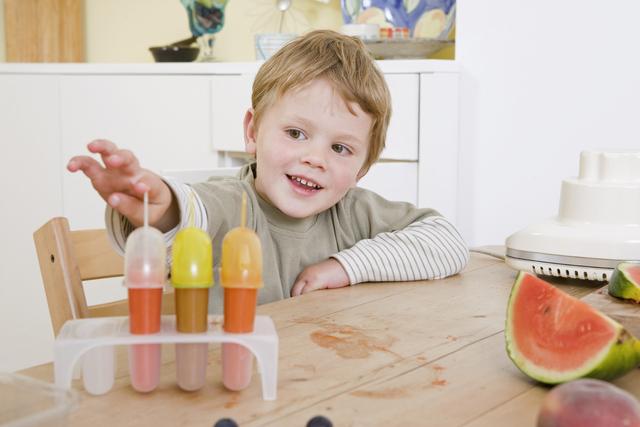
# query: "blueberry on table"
{"points": [[225, 422], [319, 421]]}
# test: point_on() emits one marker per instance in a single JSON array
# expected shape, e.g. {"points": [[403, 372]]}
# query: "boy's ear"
{"points": [[249, 132]]}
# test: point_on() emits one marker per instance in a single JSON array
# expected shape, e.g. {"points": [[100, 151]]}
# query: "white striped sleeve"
{"points": [[190, 206], [430, 248]]}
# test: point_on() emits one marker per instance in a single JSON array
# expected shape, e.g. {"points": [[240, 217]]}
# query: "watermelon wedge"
{"points": [[625, 281], [553, 337]]}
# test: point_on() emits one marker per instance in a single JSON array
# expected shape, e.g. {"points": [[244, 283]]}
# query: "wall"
{"points": [[540, 82], [123, 30]]}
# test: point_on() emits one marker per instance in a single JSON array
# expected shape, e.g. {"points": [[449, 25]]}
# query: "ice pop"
{"points": [[144, 276], [191, 276], [241, 277]]}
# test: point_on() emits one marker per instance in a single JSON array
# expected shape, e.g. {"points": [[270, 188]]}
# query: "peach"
{"points": [[589, 403]]}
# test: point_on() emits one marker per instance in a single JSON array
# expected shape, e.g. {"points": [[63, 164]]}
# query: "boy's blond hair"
{"points": [[345, 63]]}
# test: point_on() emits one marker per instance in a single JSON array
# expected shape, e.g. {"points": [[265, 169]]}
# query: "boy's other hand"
{"points": [[121, 182], [327, 274]]}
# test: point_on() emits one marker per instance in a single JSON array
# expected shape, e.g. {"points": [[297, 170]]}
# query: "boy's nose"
{"points": [[315, 158]]}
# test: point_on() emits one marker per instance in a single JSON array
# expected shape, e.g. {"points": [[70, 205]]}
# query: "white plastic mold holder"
{"points": [[92, 341]]}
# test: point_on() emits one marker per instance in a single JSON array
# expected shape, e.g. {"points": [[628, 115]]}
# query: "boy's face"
{"points": [[309, 149]]}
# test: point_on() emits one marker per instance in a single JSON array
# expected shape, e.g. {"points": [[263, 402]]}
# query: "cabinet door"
{"points": [[438, 163], [402, 135], [230, 99], [397, 181], [31, 194], [164, 120]]}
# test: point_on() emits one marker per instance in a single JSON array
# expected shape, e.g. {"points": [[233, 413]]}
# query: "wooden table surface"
{"points": [[405, 354]]}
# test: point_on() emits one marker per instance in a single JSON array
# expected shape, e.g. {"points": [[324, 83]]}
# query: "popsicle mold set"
{"points": [[88, 344]]}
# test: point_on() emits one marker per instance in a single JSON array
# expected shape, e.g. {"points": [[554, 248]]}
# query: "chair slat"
{"points": [[95, 257], [60, 273]]}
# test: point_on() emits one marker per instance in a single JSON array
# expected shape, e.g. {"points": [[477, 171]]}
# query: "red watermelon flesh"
{"points": [[561, 332], [634, 272], [554, 337]]}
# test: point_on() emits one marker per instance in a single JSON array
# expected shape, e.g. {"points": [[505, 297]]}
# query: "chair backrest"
{"points": [[67, 258]]}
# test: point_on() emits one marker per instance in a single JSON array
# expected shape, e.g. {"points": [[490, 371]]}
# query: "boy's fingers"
{"points": [[102, 146], [128, 206], [305, 286], [297, 288], [111, 156], [141, 188], [313, 286], [88, 165], [123, 159]]}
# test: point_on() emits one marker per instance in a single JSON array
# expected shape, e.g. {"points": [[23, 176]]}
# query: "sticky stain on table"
{"points": [[233, 401], [351, 343], [438, 382], [387, 393]]}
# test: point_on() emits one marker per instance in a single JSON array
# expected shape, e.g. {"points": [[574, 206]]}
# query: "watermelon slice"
{"points": [[625, 281], [553, 337]]}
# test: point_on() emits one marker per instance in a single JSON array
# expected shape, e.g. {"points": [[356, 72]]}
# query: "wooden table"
{"points": [[410, 354]]}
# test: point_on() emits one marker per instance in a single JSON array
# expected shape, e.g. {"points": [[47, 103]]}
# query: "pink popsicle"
{"points": [[144, 366], [144, 318], [237, 366]]}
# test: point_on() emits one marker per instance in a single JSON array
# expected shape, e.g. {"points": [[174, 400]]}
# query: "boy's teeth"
{"points": [[305, 182]]}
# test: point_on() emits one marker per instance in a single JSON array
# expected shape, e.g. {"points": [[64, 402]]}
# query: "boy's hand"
{"points": [[121, 182], [327, 274]]}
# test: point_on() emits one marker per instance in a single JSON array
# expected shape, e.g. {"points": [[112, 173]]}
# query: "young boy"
{"points": [[319, 116]]}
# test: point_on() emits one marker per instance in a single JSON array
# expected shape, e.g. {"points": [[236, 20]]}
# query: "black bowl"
{"points": [[174, 53]]}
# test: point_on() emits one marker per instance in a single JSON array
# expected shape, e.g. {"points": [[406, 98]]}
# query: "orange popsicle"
{"points": [[241, 277], [145, 273]]}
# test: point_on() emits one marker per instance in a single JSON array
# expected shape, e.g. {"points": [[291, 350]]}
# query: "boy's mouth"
{"points": [[304, 183]]}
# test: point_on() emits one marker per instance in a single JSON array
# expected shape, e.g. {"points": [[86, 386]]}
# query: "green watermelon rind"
{"points": [[622, 285], [617, 358]]}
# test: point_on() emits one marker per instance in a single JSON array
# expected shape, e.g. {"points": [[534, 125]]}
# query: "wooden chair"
{"points": [[66, 259]]}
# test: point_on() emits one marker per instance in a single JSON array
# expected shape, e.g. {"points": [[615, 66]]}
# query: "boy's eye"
{"points": [[340, 149], [296, 134]]}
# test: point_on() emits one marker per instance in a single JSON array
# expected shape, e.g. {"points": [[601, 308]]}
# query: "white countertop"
{"points": [[202, 68]]}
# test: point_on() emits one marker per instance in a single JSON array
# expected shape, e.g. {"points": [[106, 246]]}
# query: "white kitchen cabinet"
{"points": [[397, 181], [174, 117], [31, 193], [438, 160], [402, 135], [230, 99], [164, 120]]}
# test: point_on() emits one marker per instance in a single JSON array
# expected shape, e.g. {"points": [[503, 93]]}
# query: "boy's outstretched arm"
{"points": [[121, 182]]}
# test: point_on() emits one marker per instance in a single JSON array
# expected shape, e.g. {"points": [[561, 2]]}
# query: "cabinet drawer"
{"points": [[397, 181]]}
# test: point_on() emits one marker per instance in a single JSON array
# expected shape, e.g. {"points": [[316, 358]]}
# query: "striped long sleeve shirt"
{"points": [[375, 240]]}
